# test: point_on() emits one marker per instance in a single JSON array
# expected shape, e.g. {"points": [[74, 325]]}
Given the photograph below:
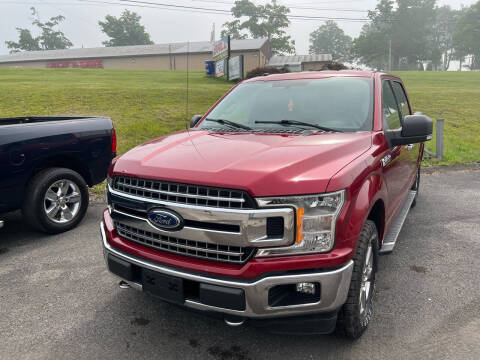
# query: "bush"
{"points": [[336, 66], [266, 70]]}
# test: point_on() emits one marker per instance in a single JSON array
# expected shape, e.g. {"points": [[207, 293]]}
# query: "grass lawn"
{"points": [[142, 104], [455, 97], [148, 104]]}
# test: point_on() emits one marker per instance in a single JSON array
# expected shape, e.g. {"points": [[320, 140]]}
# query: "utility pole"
{"points": [[390, 55]]}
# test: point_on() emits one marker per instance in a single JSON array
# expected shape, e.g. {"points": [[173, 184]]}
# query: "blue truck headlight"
{"points": [[316, 217]]}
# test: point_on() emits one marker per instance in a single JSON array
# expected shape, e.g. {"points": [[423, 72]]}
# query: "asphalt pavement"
{"points": [[57, 300]]}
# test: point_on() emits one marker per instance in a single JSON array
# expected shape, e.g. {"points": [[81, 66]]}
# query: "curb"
{"points": [[429, 170]]}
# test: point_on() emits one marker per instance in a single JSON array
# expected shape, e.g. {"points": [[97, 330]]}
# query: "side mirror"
{"points": [[416, 129], [194, 120]]}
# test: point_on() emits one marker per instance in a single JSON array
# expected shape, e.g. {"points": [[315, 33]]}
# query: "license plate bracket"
{"points": [[167, 287]]}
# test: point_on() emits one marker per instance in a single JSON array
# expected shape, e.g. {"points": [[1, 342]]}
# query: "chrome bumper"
{"points": [[334, 287]]}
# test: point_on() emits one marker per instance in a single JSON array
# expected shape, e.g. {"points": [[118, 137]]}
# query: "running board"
{"points": [[391, 238]]}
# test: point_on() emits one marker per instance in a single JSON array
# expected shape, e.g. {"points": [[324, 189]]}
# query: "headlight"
{"points": [[316, 216]]}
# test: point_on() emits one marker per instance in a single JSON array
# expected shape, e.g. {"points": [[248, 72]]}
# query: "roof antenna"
{"points": [[187, 105]]}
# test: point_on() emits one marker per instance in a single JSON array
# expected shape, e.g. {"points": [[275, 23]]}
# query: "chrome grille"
{"points": [[208, 251], [183, 193]]}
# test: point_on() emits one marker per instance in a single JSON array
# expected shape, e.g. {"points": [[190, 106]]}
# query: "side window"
{"points": [[401, 98], [391, 115]]}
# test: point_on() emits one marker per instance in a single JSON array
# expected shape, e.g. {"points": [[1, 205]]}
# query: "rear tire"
{"points": [[355, 315], [56, 200]]}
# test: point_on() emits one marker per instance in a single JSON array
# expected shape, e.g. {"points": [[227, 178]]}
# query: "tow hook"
{"points": [[234, 320], [124, 285]]}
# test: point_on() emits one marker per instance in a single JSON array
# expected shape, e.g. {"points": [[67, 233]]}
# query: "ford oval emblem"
{"points": [[165, 220]]}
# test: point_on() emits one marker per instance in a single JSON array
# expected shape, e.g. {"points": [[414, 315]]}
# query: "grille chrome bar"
{"points": [[192, 196], [252, 224], [208, 251], [183, 193]]}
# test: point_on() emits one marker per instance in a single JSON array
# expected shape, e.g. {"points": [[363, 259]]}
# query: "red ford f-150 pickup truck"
{"points": [[272, 209]]}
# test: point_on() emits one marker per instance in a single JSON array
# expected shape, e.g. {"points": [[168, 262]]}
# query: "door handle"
{"points": [[409, 147]]}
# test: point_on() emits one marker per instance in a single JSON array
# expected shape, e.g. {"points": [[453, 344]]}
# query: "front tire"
{"points": [[355, 315], [56, 200]]}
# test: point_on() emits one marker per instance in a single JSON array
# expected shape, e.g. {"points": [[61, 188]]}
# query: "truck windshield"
{"points": [[343, 104]]}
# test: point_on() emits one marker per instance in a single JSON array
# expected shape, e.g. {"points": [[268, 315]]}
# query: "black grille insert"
{"points": [[208, 251]]}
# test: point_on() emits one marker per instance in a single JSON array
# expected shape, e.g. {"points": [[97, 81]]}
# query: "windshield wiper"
{"points": [[295, 122], [231, 123]]}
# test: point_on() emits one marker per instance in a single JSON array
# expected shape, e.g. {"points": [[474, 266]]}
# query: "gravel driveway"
{"points": [[58, 301]]}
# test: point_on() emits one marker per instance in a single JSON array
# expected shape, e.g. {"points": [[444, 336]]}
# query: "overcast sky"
{"points": [[169, 26]]}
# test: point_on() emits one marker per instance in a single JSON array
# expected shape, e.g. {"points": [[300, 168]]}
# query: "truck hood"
{"points": [[262, 164]]}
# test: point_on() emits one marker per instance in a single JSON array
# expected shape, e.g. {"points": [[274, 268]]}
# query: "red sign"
{"points": [[81, 64], [221, 49]]}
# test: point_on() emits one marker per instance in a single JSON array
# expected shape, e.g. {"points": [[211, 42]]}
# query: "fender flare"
{"points": [[372, 190]]}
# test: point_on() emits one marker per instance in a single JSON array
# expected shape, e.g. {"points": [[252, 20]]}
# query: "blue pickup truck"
{"points": [[47, 165]]}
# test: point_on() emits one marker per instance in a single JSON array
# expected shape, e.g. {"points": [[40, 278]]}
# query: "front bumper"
{"points": [[333, 285]]}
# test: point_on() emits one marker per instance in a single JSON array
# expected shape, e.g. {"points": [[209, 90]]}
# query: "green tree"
{"points": [[466, 37], [125, 30], [330, 39], [232, 28], [49, 38], [442, 48], [405, 31], [372, 45], [412, 32], [261, 21]]}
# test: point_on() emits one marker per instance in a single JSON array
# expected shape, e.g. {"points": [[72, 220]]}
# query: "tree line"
{"points": [[122, 31], [400, 34], [403, 36]]}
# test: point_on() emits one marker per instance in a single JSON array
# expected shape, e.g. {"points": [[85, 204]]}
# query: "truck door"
{"points": [[396, 167], [413, 150]]}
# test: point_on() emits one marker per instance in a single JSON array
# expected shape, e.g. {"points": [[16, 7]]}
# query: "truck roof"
{"points": [[316, 75]]}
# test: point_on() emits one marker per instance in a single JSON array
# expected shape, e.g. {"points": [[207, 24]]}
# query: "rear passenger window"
{"points": [[401, 98], [391, 115]]}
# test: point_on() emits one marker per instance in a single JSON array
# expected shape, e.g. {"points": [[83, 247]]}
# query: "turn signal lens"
{"points": [[299, 225]]}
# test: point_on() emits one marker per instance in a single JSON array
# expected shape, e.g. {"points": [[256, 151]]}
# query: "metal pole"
{"points": [[390, 56], [228, 58], [440, 133]]}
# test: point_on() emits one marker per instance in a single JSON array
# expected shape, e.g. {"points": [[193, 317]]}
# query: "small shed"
{"points": [[300, 62], [173, 56]]}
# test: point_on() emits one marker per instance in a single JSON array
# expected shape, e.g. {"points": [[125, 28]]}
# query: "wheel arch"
{"points": [[377, 215], [63, 161], [368, 203]]}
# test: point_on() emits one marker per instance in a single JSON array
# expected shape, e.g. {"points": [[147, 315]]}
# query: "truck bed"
{"points": [[38, 119], [31, 143]]}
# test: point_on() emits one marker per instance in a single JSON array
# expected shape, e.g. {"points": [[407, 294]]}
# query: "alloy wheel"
{"points": [[62, 201]]}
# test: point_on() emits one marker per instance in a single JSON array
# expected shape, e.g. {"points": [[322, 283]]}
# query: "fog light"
{"points": [[305, 288]]}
